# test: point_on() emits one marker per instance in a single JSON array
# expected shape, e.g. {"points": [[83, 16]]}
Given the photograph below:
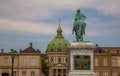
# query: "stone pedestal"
{"points": [[81, 59]]}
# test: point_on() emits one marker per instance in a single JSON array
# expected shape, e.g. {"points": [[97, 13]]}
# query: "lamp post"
{"points": [[12, 57]]}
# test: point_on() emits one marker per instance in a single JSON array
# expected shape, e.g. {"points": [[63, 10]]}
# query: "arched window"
{"points": [[59, 59], [52, 59], [66, 59]]}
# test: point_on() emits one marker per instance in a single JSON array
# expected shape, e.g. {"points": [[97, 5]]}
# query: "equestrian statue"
{"points": [[79, 26]]}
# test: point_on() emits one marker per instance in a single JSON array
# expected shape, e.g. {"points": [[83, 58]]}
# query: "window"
{"points": [[52, 59], [54, 72], [114, 73], [32, 73], [66, 59], [59, 74], [15, 61], [96, 62], [33, 61], [105, 73], [23, 73], [97, 73], [14, 73], [49, 59], [59, 59], [64, 70], [104, 61], [59, 70], [114, 61], [24, 61], [6, 60]]}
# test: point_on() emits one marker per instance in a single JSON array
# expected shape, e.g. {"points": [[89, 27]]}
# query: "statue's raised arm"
{"points": [[79, 26]]}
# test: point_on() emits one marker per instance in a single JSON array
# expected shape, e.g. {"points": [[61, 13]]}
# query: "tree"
{"points": [[45, 67]]}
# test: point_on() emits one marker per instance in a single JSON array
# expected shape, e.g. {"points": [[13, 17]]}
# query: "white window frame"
{"points": [[24, 60], [114, 73], [97, 72], [23, 73], [32, 73], [105, 73], [114, 61], [104, 62], [33, 61], [6, 60], [96, 61]]}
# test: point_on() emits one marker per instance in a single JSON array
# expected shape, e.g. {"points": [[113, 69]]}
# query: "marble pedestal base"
{"points": [[81, 56], [78, 73]]}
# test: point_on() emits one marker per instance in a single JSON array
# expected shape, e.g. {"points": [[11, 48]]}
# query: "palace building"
{"points": [[107, 61], [57, 55], [26, 63]]}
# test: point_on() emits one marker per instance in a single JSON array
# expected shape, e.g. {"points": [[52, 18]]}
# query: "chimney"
{"points": [[97, 45], [117, 51], [2, 50], [30, 44], [20, 50], [108, 51]]}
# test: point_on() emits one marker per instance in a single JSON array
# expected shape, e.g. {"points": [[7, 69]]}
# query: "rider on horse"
{"points": [[79, 26]]}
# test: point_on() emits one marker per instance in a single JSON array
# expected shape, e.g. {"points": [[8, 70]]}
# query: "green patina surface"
{"points": [[81, 62], [59, 43], [79, 25]]}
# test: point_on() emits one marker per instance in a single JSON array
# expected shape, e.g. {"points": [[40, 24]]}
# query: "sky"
{"points": [[36, 21]]}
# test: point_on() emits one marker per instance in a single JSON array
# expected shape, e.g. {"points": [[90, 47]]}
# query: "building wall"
{"points": [[57, 68], [22, 62], [108, 67]]}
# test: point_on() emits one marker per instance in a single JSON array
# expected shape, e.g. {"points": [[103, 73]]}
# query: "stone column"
{"points": [[56, 72], [61, 72]]}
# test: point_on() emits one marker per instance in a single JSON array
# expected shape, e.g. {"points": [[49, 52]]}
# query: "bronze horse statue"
{"points": [[79, 26]]}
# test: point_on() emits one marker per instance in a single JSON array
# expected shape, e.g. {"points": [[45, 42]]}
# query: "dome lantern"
{"points": [[59, 31], [59, 43]]}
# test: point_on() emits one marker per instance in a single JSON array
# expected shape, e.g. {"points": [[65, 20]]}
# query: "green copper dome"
{"points": [[59, 43]]}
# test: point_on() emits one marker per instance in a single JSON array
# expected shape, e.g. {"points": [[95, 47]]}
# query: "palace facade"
{"points": [[107, 61], [26, 63]]}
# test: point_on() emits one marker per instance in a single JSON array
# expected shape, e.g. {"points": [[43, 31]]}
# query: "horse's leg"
{"points": [[77, 39], [81, 37]]}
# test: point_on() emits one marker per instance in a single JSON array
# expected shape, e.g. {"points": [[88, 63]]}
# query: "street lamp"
{"points": [[12, 57]]}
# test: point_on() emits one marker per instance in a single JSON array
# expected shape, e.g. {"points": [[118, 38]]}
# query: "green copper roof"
{"points": [[59, 43]]}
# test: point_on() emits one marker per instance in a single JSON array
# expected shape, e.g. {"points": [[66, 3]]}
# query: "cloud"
{"points": [[96, 27], [41, 16], [41, 28], [28, 16], [44, 9]]}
